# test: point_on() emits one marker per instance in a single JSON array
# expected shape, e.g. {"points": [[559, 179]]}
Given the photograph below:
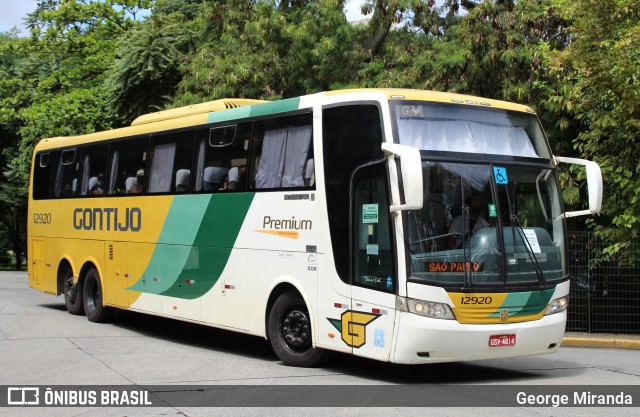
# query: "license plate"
{"points": [[502, 340]]}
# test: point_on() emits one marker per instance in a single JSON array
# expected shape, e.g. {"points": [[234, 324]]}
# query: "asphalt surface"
{"points": [[41, 344]]}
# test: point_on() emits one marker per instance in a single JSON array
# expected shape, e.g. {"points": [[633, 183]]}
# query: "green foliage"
{"points": [[603, 62], [269, 50], [94, 64], [146, 69]]}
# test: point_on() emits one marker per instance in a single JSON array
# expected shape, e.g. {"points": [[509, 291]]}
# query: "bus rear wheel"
{"points": [[290, 332], [92, 297], [72, 293]]}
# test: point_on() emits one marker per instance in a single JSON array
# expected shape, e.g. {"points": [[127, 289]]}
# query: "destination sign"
{"points": [[454, 266]]}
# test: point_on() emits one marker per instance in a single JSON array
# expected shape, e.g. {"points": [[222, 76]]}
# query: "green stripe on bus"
{"points": [[525, 303], [273, 107], [231, 114], [192, 267], [280, 106]]}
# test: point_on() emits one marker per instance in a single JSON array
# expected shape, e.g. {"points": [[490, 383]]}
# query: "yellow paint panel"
{"points": [[96, 218], [434, 96], [485, 308]]}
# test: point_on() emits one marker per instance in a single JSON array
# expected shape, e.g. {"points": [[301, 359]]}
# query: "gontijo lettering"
{"points": [[108, 219]]}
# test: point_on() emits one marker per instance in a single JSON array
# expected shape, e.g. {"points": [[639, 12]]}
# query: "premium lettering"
{"points": [[286, 224]]}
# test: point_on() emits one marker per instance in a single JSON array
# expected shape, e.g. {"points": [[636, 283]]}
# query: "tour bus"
{"points": [[400, 225]]}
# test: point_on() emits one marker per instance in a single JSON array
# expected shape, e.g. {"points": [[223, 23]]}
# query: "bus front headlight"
{"points": [[426, 308], [558, 305]]}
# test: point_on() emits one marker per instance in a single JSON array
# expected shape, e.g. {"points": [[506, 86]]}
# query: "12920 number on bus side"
{"points": [[42, 218]]}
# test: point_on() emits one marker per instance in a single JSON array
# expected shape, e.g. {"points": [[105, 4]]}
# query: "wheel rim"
{"points": [[296, 330], [70, 289]]}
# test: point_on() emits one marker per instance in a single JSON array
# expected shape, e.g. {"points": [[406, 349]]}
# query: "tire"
{"points": [[92, 297], [290, 332], [72, 292]]}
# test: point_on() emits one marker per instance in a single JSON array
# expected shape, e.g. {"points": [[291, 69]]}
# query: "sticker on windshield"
{"points": [[532, 238], [493, 212], [369, 213], [500, 174]]}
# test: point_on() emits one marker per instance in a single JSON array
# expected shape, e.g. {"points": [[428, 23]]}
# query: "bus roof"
{"points": [[436, 96], [210, 106], [232, 109]]}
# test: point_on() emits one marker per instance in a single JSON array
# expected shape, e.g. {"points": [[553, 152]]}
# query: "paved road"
{"points": [[41, 344]]}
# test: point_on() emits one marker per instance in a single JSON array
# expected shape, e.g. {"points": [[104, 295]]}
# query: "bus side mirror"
{"points": [[411, 170], [594, 185]]}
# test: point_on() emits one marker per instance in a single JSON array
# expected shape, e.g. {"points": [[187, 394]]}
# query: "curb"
{"points": [[597, 341]]}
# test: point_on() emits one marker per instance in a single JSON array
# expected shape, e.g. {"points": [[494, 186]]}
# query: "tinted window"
{"points": [[352, 136], [66, 183], [127, 164], [282, 155], [221, 158], [93, 170], [170, 160], [43, 173]]}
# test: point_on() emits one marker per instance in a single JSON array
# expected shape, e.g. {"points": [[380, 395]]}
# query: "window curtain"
{"points": [[200, 166], [295, 159], [465, 136], [113, 173], [84, 189], [502, 140], [271, 166], [162, 168]]}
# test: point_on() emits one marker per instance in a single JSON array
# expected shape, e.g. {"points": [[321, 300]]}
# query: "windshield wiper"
{"points": [[466, 241], [515, 225], [466, 248]]}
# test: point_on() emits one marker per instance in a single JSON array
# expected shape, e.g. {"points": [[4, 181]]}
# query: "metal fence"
{"points": [[605, 294]]}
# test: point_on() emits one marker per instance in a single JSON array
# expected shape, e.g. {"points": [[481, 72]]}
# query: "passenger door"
{"points": [[373, 268]]}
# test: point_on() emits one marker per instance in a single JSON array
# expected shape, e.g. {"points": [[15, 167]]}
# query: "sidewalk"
{"points": [[594, 340]]}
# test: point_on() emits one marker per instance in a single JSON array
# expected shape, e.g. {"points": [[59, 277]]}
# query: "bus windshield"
{"points": [[486, 225]]}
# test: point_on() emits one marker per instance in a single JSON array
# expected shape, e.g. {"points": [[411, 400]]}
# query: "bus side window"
{"points": [[221, 158], [92, 170], [127, 166], [43, 173], [161, 167], [170, 159], [66, 183], [282, 151], [352, 135]]}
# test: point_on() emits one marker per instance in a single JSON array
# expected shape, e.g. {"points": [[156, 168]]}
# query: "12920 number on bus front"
{"points": [[476, 300]]}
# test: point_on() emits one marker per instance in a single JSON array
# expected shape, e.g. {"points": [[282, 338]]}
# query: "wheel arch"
{"points": [[279, 289], [88, 264], [62, 267]]}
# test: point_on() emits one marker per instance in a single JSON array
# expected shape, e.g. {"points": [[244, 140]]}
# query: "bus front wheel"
{"points": [[72, 293], [290, 332], [92, 296]]}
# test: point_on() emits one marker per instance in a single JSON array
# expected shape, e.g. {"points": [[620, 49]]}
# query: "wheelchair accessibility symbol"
{"points": [[379, 338], [500, 174]]}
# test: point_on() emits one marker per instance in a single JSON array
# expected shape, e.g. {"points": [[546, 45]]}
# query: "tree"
{"points": [[70, 49], [13, 212], [146, 71], [268, 49], [601, 66]]}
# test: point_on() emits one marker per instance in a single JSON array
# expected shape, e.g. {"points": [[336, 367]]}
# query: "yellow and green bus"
{"points": [[401, 225]]}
